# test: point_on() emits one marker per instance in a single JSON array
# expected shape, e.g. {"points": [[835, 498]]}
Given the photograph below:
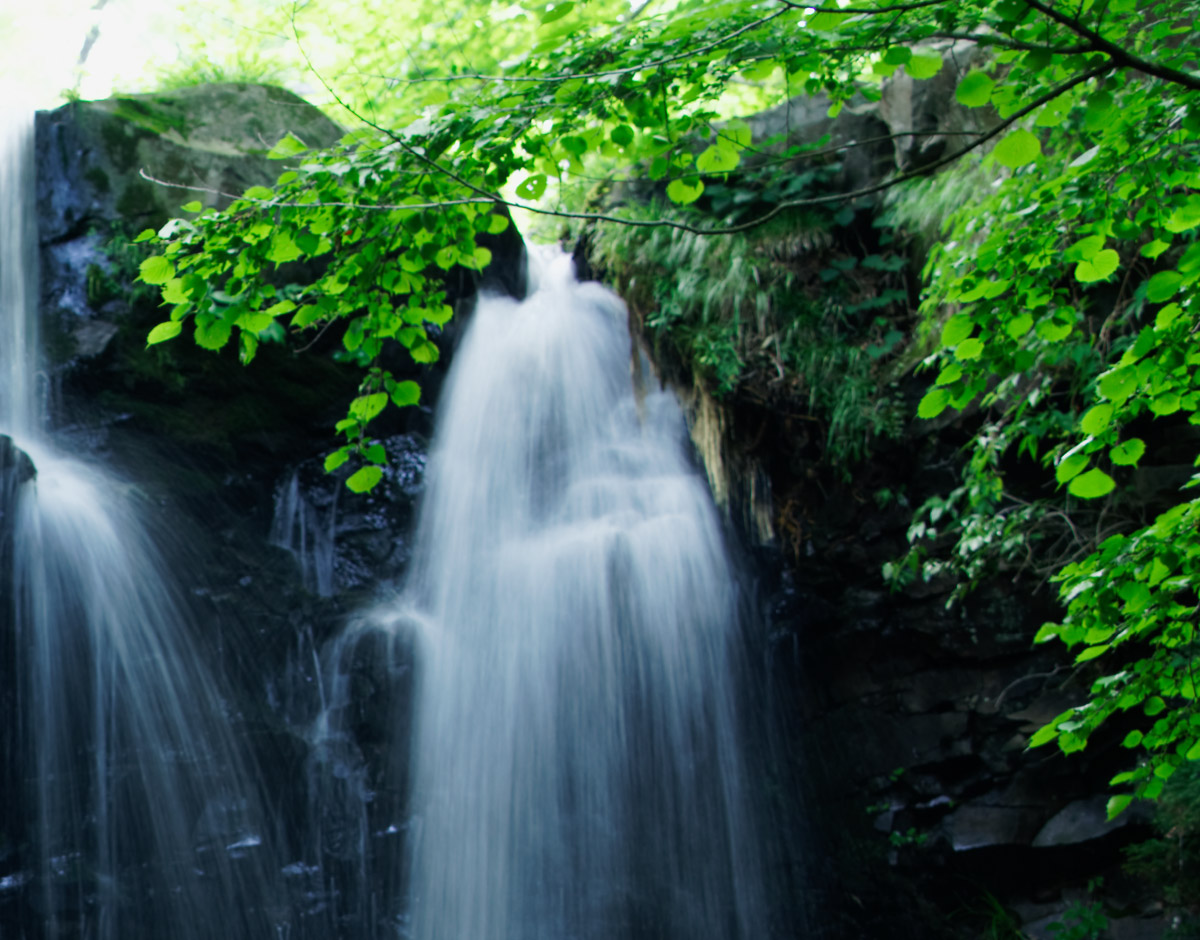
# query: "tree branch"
{"points": [[482, 196], [1119, 55], [277, 203], [1005, 42]]}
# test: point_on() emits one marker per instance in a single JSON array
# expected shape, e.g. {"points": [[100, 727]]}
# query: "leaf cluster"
{"points": [[1060, 300]]}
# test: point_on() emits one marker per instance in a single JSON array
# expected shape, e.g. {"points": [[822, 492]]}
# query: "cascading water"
{"points": [[139, 817], [307, 533], [578, 769]]}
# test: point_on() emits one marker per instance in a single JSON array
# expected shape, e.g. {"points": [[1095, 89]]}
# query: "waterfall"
{"points": [[138, 817], [577, 752], [307, 533]]}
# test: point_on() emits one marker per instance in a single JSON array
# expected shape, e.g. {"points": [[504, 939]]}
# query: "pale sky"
{"points": [[41, 42]]}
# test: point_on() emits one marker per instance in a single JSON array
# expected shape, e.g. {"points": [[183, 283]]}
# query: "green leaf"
{"points": [[497, 223], [287, 146], [1018, 148], [532, 187], [1185, 217], [1044, 735], [950, 374], [622, 135], [557, 12], [1117, 804], [923, 65], [1154, 706], [156, 270], [1166, 316], [173, 292], [1070, 467], [1097, 419], [1118, 384], [685, 191], [1098, 268], [934, 403], [254, 321], [1091, 653], [969, 349], [164, 332], [336, 459], [306, 316], [193, 206], [1166, 404], [1128, 453], [1133, 739], [574, 145], [283, 248], [1163, 286], [424, 352], [406, 393], [957, 329], [364, 479], [717, 159], [366, 407], [825, 21], [975, 90], [1085, 249], [1091, 485], [1097, 114], [212, 332], [145, 235], [1019, 325]]}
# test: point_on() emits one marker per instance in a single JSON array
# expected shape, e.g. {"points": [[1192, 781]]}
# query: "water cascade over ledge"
{"points": [[576, 747], [139, 816]]}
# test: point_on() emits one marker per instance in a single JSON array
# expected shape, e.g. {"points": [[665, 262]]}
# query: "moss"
{"points": [[121, 142], [137, 201], [806, 313], [98, 178], [158, 116]]}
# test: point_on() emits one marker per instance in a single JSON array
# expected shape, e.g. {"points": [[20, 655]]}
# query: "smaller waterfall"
{"points": [[139, 817], [307, 532]]}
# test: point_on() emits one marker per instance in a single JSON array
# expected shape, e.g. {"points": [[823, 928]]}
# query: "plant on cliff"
{"points": [[1060, 300]]}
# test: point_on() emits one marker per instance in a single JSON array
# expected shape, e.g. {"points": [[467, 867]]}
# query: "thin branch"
{"points": [[984, 39], [276, 203], [869, 11], [1119, 55], [482, 196]]}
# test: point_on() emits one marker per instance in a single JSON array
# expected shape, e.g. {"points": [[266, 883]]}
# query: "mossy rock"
{"points": [[101, 162]]}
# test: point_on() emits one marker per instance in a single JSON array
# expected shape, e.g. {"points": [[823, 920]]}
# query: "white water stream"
{"points": [[577, 758], [141, 820]]}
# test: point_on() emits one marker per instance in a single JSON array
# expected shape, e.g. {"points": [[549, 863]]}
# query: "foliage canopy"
{"points": [[1059, 303]]}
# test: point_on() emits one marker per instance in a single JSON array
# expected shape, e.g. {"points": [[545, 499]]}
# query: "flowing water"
{"points": [[569, 762], [139, 818], [577, 757]]}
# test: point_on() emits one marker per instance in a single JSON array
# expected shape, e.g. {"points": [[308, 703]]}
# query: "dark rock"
{"points": [[1081, 821], [15, 464]]}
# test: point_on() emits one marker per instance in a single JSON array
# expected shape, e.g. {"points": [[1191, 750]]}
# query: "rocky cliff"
{"points": [[899, 727], [908, 718]]}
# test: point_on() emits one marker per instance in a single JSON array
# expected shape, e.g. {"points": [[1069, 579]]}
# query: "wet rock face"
{"points": [[15, 465], [105, 164]]}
